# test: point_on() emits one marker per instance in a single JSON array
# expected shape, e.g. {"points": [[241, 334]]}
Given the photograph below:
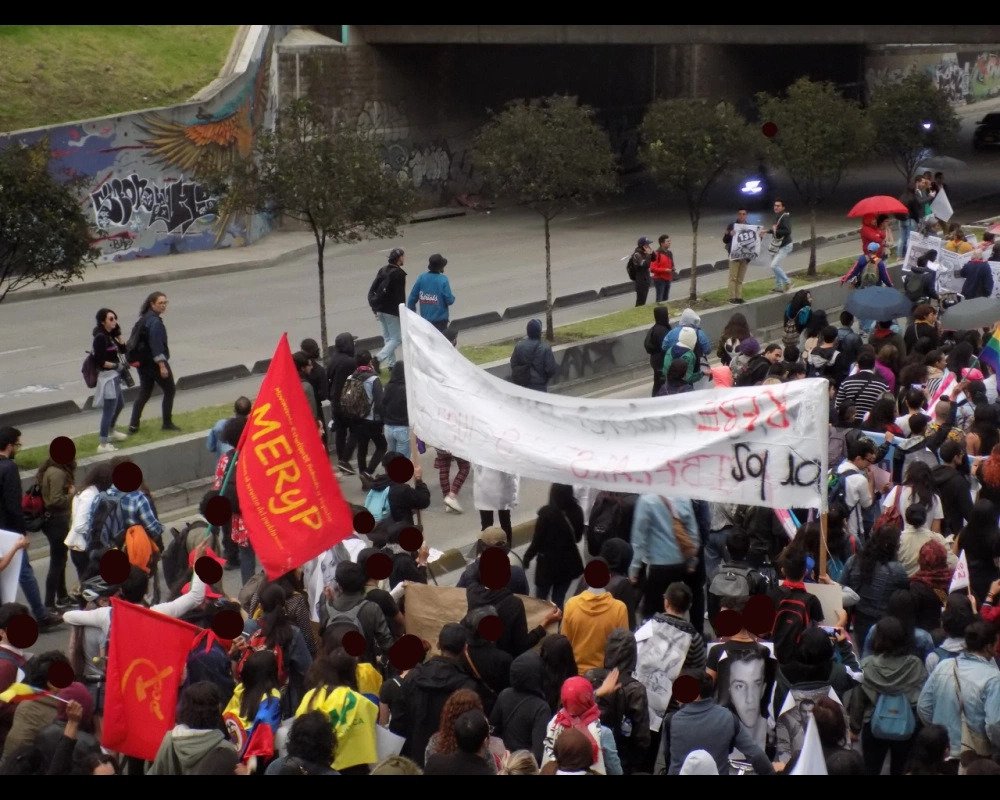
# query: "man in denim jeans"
{"points": [[781, 230], [390, 286]]}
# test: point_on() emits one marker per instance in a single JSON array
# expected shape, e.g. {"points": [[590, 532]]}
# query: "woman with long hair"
{"points": [[902, 607], [980, 539], [924, 327], [279, 633], [442, 741], [983, 434], [154, 367], [333, 689], [296, 604], [559, 664], [961, 357], [874, 573], [812, 332], [887, 365], [930, 751], [882, 417], [108, 345], [254, 706], [56, 482], [917, 487], [736, 331], [97, 480], [797, 314], [558, 530], [929, 586]]}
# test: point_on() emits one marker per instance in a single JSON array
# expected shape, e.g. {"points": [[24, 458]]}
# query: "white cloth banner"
{"points": [[761, 445], [9, 577], [941, 206]]}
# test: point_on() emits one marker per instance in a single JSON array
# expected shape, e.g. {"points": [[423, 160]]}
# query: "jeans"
{"points": [[248, 562], [365, 431], [29, 586], [904, 236], [55, 529], [110, 411], [147, 377], [662, 289], [397, 439], [780, 278], [392, 336]]}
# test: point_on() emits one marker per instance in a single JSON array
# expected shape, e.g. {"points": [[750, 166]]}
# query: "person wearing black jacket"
{"points": [[515, 637], [154, 362], [403, 499], [341, 363], [558, 529], [638, 269], [952, 485], [417, 712], [521, 712], [654, 345], [396, 423], [760, 365], [487, 662], [391, 281]]}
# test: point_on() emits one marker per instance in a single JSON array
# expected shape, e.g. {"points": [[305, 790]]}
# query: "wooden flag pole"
{"points": [[822, 543], [415, 459]]}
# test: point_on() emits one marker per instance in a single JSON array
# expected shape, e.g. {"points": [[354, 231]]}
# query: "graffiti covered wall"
{"points": [[966, 76], [142, 170]]}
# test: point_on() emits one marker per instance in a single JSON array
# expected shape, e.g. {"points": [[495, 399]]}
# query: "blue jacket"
{"points": [[978, 279], [652, 534], [980, 682], [673, 335], [432, 292], [215, 444], [860, 264]]}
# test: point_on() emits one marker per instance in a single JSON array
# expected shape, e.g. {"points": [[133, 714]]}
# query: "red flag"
{"points": [[289, 498], [146, 658]]}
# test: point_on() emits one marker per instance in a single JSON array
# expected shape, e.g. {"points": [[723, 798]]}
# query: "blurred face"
{"points": [[746, 688], [741, 215]]}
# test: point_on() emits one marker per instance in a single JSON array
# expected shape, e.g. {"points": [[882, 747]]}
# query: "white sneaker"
{"points": [[452, 502], [107, 447], [118, 436]]}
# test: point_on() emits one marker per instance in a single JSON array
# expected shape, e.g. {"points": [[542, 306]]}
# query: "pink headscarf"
{"points": [[579, 708]]}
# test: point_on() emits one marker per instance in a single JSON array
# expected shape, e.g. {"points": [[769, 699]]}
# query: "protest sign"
{"points": [[916, 245], [759, 445], [960, 577], [745, 245], [941, 206], [831, 597], [9, 577]]}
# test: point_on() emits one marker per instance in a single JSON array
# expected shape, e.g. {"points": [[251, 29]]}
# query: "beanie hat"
{"points": [[688, 338]]}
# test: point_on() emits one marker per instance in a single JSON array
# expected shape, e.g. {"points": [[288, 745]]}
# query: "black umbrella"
{"points": [[878, 303], [980, 312]]}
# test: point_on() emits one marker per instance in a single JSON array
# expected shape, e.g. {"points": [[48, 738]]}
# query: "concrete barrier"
{"points": [[260, 367], [616, 289], [475, 321], [372, 343], [575, 299], [199, 379], [25, 416], [526, 309]]}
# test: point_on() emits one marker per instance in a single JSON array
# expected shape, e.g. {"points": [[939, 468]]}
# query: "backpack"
{"points": [[354, 400], [377, 502], [257, 642], [893, 720], [630, 267], [33, 508], [731, 582], [790, 620], [913, 286], [868, 277], [521, 373], [837, 447], [608, 520], [175, 557], [107, 522], [339, 623], [379, 289], [137, 346], [837, 489], [89, 370]]}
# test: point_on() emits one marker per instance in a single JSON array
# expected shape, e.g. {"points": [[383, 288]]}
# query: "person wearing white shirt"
{"points": [[97, 480], [859, 493]]}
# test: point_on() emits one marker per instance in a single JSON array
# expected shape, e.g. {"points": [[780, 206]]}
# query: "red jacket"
{"points": [[869, 233], [662, 266]]}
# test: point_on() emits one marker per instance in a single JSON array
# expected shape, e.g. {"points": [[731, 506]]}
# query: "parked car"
{"points": [[987, 133]]}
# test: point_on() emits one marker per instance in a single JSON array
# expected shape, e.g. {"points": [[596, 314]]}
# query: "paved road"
{"points": [[495, 261]]}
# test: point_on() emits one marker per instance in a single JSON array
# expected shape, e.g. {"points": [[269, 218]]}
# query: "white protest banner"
{"points": [[916, 245], [949, 264], [760, 445], [960, 577], [9, 577], [745, 245], [941, 206]]}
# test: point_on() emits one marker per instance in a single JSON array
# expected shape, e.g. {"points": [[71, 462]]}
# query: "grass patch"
{"points": [[57, 73], [189, 421]]}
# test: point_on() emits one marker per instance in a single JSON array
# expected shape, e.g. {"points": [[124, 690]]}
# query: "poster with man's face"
{"points": [[745, 245], [744, 683]]}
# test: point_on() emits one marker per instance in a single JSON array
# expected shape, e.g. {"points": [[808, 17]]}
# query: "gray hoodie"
{"points": [[183, 748], [885, 674]]}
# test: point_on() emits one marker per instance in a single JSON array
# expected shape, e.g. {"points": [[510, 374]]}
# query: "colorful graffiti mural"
{"points": [[144, 171], [966, 77]]}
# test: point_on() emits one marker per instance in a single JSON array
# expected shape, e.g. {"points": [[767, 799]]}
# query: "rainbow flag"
{"points": [[990, 356]]}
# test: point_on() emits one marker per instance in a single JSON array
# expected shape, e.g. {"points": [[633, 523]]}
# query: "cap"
{"points": [[644, 240], [873, 247], [436, 262], [493, 537]]}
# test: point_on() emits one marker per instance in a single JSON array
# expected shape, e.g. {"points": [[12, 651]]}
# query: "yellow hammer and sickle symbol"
{"points": [[141, 685]]}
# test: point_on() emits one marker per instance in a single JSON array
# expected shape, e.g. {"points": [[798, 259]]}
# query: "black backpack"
{"points": [[790, 620], [137, 347], [609, 519], [379, 289], [630, 267]]}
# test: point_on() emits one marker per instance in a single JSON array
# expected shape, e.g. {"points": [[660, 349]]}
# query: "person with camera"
{"points": [[112, 369]]}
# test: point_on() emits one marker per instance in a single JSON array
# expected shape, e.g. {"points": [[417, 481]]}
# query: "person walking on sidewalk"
{"points": [[107, 346], [781, 233], [12, 519], [431, 294], [661, 269], [57, 483], [387, 292], [638, 269], [451, 487], [149, 341], [339, 366]]}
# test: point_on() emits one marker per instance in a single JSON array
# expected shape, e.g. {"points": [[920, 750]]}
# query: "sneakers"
{"points": [[133, 429], [450, 501], [345, 467], [787, 286], [49, 621], [65, 602], [777, 290], [367, 479], [170, 427], [118, 436], [107, 447]]}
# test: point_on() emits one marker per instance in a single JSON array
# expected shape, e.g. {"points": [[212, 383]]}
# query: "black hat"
{"points": [[436, 262]]}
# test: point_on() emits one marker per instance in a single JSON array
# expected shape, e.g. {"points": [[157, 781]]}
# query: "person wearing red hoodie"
{"points": [[661, 269], [871, 232]]}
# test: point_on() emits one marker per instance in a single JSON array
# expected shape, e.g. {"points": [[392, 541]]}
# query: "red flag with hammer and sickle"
{"points": [[146, 658]]}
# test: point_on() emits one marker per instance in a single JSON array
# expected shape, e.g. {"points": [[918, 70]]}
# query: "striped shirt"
{"points": [[862, 390]]}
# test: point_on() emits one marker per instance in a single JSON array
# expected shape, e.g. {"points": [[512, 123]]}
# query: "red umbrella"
{"points": [[878, 204]]}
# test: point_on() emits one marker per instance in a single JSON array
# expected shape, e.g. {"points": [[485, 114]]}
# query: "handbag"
{"points": [[974, 745], [774, 245]]}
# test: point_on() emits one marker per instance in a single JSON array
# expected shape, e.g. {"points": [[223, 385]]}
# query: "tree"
{"points": [[687, 144], [819, 135], [44, 234], [330, 177], [909, 117], [545, 154]]}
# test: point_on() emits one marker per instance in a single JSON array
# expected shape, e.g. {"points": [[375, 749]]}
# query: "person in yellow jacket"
{"points": [[352, 716], [588, 620]]}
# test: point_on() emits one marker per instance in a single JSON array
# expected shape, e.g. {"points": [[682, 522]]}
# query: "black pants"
{"points": [[342, 439], [659, 577], [658, 381], [229, 548], [554, 591], [55, 528], [874, 751], [365, 431], [81, 561], [486, 520], [147, 377], [641, 291]]}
